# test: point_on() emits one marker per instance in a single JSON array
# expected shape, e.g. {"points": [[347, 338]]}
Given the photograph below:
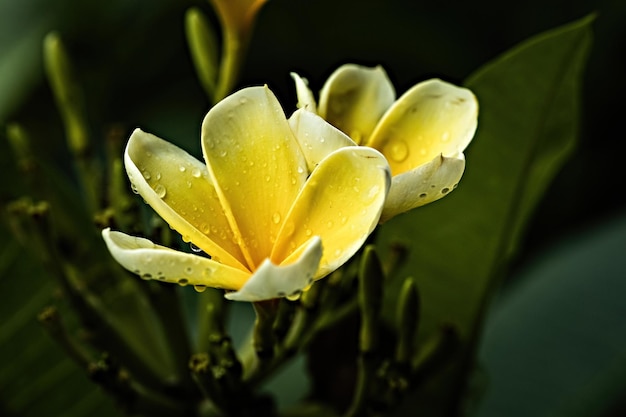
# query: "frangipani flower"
{"points": [[422, 134], [270, 224]]}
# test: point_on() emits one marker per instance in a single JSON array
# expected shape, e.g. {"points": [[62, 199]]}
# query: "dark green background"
{"points": [[133, 63]]}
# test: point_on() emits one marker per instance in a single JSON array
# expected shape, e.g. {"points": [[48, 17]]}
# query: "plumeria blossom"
{"points": [[422, 134], [271, 223]]}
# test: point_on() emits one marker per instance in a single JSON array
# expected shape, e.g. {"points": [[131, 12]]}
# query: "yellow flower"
{"points": [[255, 207], [422, 134]]}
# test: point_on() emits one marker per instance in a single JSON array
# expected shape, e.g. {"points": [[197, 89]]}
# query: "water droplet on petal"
{"points": [[188, 270], [308, 232], [196, 173], [134, 189], [186, 239], [300, 170], [295, 296], [290, 228], [183, 281], [194, 248], [445, 190], [223, 153], [158, 176], [397, 150], [199, 288], [146, 175], [160, 191], [330, 224], [276, 218], [182, 168], [423, 195]]}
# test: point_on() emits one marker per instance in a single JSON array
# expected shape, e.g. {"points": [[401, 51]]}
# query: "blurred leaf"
{"points": [[36, 377], [555, 343], [529, 100]]}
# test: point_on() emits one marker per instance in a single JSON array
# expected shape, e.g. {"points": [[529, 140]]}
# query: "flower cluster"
{"points": [[283, 202]]}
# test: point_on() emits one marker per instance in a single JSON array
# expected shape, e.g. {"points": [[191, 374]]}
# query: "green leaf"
{"points": [[555, 343], [36, 376], [459, 246]]}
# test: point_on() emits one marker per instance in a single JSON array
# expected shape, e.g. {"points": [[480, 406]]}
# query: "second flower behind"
{"points": [[422, 134]]}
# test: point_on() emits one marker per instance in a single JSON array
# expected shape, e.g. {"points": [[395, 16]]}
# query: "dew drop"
{"points": [[146, 175], [196, 173], [344, 219], [330, 224], [374, 191], [397, 150], [445, 190], [300, 170], [188, 270], [423, 195], [194, 248], [205, 228], [182, 168], [134, 189], [186, 239], [158, 176], [243, 100], [276, 218], [308, 232], [223, 153], [183, 281], [160, 191], [295, 296], [293, 180], [199, 288], [146, 276], [290, 228]]}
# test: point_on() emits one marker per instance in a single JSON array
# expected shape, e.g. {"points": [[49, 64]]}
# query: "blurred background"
{"points": [[555, 342]]}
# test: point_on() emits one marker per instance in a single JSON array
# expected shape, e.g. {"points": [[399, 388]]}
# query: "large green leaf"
{"points": [[529, 100], [555, 342]]}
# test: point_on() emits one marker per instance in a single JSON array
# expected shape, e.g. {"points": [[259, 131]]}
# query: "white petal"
{"points": [[305, 95], [432, 118], [178, 187], [275, 281], [354, 98], [423, 185], [317, 137], [151, 261]]}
